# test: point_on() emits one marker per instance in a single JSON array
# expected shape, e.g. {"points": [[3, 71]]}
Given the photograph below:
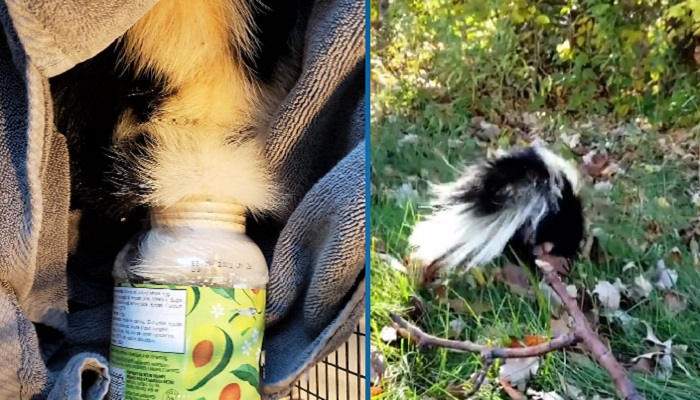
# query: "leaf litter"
{"points": [[664, 278], [658, 361], [611, 295]]}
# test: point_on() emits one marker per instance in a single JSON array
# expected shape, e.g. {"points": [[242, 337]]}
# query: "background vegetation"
{"points": [[613, 85], [621, 58]]}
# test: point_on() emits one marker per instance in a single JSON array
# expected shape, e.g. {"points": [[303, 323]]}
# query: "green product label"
{"points": [[181, 342]]}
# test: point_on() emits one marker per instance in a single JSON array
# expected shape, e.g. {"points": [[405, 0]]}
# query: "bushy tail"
{"points": [[474, 218]]}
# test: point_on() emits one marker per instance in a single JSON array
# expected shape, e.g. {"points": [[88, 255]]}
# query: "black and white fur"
{"points": [[180, 105], [518, 200]]}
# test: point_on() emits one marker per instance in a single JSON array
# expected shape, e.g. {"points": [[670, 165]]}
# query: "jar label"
{"points": [[181, 342]]}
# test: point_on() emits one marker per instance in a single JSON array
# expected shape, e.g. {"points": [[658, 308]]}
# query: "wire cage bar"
{"points": [[340, 376]]}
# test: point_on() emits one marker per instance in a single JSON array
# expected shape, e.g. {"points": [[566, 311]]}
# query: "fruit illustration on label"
{"points": [[192, 298], [231, 391], [209, 350]]}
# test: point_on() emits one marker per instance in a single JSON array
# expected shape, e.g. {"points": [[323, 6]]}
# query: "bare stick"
{"points": [[488, 354], [423, 339], [585, 333], [582, 332]]}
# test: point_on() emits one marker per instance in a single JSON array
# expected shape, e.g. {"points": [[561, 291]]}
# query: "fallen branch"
{"points": [[586, 335], [423, 339], [581, 333], [488, 353]]}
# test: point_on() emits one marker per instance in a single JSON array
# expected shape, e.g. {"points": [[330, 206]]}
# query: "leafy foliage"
{"points": [[621, 58]]}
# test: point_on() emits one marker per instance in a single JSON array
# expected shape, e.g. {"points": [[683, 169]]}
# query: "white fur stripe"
{"points": [[558, 165], [456, 234]]}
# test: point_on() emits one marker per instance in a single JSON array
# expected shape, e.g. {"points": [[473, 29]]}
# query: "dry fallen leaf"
{"points": [[388, 334], [695, 251], [441, 294], [621, 287], [663, 202], [410, 138], [659, 355], [658, 362], [531, 340], [559, 264], [695, 199], [679, 350], [608, 294], [664, 278], [457, 326], [612, 169], [675, 255], [652, 231], [620, 315], [516, 279], [418, 308], [641, 288], [512, 392], [375, 391], [560, 326], [594, 164], [603, 186], [571, 391], [643, 365], [518, 371], [377, 365], [675, 303], [537, 395], [588, 157], [651, 336], [424, 274]]}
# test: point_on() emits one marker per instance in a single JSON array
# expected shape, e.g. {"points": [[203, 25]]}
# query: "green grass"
{"points": [[432, 71], [426, 374]]}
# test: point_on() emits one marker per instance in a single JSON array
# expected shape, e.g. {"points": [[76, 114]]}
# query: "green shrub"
{"points": [[620, 58]]}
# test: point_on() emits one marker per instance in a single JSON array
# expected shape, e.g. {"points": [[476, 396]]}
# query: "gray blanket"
{"points": [[316, 293]]}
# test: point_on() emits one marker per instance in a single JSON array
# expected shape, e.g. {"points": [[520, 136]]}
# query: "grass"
{"points": [[430, 74], [434, 155], [632, 205]]}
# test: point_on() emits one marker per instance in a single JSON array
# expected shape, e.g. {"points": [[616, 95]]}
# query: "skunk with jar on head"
{"points": [[513, 203]]}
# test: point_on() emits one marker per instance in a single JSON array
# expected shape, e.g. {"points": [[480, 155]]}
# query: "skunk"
{"points": [[179, 106], [521, 199]]}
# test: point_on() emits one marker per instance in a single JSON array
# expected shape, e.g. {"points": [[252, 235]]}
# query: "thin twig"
{"points": [[478, 379]]}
